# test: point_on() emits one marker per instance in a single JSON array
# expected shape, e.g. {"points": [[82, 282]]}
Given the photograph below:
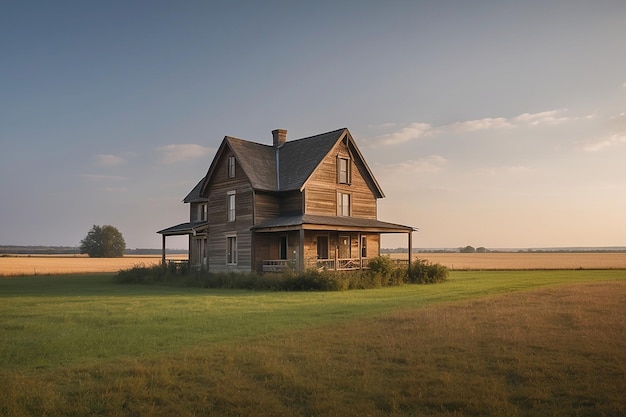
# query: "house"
{"points": [[303, 203]]}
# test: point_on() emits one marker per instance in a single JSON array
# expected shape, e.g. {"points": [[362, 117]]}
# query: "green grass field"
{"points": [[483, 343]]}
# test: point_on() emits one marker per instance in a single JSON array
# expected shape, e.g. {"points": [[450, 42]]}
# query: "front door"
{"points": [[344, 247], [283, 248]]}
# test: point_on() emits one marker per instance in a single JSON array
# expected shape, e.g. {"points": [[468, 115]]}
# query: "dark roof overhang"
{"points": [[333, 223], [190, 228]]}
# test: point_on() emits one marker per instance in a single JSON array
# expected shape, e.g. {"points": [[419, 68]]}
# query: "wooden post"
{"points": [[410, 249], [360, 249], [163, 251], [301, 251]]}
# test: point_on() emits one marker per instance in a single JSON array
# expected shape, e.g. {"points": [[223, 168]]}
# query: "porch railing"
{"points": [[178, 265], [277, 265], [341, 264], [345, 264]]}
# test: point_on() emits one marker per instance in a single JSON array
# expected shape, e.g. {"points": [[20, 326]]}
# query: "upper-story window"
{"points": [[343, 170], [231, 167], [202, 212], [231, 206], [343, 204]]}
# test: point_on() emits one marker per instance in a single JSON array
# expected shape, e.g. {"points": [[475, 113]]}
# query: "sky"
{"points": [[487, 123]]}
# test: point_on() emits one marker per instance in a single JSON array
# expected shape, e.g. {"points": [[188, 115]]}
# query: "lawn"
{"points": [[483, 343]]}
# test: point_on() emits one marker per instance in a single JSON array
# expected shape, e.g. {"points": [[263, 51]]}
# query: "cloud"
{"points": [[487, 123], [171, 154], [419, 130], [535, 119], [610, 142], [429, 164], [108, 160], [406, 134]]}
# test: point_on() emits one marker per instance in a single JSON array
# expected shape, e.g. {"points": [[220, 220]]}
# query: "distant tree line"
{"points": [[75, 250], [39, 250], [481, 249]]}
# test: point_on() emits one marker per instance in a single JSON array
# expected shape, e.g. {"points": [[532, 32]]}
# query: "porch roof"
{"points": [[316, 222], [184, 228]]}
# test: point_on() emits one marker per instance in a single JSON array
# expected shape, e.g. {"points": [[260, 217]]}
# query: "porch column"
{"points": [[410, 247], [301, 251], [163, 251], [360, 249]]}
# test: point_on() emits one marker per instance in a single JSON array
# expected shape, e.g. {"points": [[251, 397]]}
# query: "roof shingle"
{"points": [[283, 168]]}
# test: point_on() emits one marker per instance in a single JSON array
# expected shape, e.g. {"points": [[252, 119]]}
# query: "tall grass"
{"points": [[382, 272], [82, 346]]}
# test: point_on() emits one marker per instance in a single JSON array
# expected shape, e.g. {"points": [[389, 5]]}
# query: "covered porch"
{"points": [[197, 233], [320, 242]]}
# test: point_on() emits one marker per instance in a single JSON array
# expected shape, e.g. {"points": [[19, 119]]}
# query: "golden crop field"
{"points": [[70, 264], [524, 260]]}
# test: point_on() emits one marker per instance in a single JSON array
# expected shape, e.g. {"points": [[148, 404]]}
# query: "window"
{"points": [[343, 204], [343, 170], [231, 206], [202, 212], [231, 167], [231, 250]]}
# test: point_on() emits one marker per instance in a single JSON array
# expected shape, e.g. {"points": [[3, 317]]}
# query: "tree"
{"points": [[103, 242], [467, 249]]}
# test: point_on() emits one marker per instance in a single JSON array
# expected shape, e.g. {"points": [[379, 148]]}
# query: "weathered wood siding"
{"points": [[291, 203], [272, 205], [267, 247], [195, 211], [220, 227], [267, 206], [322, 188], [262, 250]]}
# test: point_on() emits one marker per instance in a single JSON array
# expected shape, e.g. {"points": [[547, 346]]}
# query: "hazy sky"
{"points": [[486, 123]]}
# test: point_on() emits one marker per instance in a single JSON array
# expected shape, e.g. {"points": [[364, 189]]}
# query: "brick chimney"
{"points": [[280, 137]]}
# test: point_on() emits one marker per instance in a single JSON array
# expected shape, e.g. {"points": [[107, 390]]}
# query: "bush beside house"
{"points": [[383, 272]]}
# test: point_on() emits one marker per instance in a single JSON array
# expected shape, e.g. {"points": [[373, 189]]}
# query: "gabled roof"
{"points": [[283, 168], [194, 195], [299, 158], [257, 161]]}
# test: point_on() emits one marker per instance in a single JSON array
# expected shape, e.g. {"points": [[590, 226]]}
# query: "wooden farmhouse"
{"points": [[306, 203]]}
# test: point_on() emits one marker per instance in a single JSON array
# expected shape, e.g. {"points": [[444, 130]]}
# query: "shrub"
{"points": [[382, 264], [383, 272], [424, 272], [140, 274]]}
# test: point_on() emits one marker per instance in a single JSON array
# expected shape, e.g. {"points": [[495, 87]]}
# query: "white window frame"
{"points": [[343, 209], [343, 175], [231, 249], [231, 213]]}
